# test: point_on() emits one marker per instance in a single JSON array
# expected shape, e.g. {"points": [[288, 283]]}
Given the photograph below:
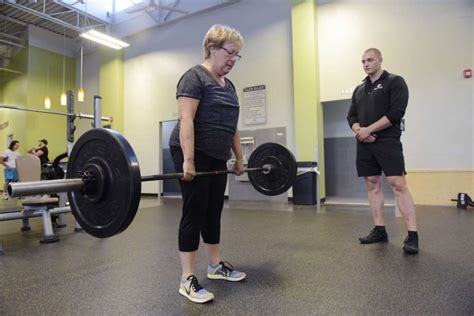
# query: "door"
{"points": [[170, 186]]}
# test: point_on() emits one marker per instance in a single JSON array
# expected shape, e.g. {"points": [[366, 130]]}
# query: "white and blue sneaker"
{"points": [[192, 290], [224, 271]]}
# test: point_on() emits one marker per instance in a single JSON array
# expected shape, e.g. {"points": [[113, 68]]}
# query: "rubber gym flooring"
{"points": [[298, 262]]}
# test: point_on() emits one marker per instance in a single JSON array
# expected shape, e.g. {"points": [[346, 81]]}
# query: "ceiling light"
{"points": [[47, 103], [104, 39]]}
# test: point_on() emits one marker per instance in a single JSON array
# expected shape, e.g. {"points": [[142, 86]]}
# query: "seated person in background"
{"points": [[8, 161], [41, 151]]}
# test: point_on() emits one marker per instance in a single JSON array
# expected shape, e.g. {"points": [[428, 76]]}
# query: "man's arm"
{"points": [[37, 153], [398, 105], [352, 118]]}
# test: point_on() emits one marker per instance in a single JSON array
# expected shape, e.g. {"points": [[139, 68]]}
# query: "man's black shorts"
{"points": [[382, 155]]}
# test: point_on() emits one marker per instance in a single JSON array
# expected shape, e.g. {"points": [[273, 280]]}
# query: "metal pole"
{"points": [[77, 184], [44, 187], [97, 111], [79, 115], [199, 174], [70, 122]]}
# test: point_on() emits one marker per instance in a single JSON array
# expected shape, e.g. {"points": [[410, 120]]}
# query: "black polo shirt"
{"points": [[387, 96]]}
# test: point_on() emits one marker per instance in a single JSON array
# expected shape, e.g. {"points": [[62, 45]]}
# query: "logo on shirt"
{"points": [[379, 86]]}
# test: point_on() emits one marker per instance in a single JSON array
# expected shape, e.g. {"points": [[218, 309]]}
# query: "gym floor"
{"points": [[298, 261]]}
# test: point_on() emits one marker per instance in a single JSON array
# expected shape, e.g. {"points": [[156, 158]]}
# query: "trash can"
{"points": [[304, 187]]}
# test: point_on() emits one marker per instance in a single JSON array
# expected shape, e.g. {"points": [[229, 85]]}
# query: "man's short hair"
{"points": [[375, 50]]}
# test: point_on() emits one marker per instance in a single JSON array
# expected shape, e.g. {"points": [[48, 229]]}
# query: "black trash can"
{"points": [[304, 188]]}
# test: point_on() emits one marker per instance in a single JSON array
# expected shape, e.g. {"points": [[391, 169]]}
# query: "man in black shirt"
{"points": [[41, 151], [377, 108]]}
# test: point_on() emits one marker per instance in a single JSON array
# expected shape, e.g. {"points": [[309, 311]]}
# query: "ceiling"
{"points": [[69, 18]]}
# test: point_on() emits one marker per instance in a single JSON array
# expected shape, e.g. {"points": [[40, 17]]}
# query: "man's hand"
{"points": [[188, 170], [370, 139], [363, 133], [239, 167]]}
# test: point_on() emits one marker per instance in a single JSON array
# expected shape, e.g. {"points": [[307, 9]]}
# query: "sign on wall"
{"points": [[255, 105]]}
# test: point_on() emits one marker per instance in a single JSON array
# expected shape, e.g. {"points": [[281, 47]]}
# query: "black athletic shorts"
{"points": [[382, 155]]}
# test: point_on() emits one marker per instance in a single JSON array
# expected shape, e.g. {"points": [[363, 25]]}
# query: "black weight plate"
{"points": [[113, 212], [283, 173]]}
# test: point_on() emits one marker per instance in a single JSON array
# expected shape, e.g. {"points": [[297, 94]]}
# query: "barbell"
{"points": [[103, 180]]}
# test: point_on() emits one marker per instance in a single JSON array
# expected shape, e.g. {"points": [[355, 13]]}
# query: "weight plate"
{"points": [[283, 172], [113, 211]]}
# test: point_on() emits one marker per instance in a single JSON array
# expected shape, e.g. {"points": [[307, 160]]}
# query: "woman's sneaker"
{"points": [[224, 271], [192, 290]]}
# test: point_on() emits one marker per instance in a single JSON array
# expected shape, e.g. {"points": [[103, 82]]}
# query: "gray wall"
{"points": [[243, 190]]}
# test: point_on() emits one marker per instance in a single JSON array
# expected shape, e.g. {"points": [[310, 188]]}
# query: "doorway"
{"points": [[170, 186]]}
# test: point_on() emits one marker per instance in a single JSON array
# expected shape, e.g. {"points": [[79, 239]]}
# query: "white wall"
{"points": [[429, 43], [158, 57]]}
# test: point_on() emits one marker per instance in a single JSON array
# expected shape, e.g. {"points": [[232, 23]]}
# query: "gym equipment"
{"points": [[52, 170], [463, 201], [104, 181], [79, 115]]}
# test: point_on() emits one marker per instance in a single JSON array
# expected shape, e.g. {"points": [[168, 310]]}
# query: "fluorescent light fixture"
{"points": [[104, 39]]}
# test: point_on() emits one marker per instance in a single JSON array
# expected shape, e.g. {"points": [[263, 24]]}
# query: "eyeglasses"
{"points": [[232, 54]]}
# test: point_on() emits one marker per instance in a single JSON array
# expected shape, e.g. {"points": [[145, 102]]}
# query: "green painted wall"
{"points": [[112, 86], [45, 78], [309, 129], [13, 90], [29, 90]]}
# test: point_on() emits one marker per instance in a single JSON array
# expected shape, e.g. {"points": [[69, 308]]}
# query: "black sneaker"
{"points": [[411, 244], [374, 237]]}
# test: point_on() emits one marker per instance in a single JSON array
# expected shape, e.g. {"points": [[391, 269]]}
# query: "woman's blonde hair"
{"points": [[217, 36]]}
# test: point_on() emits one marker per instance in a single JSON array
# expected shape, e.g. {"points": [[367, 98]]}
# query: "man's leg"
{"points": [[404, 201], [407, 209], [376, 199]]}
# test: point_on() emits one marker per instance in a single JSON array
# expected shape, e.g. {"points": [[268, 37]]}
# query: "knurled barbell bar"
{"points": [[104, 181]]}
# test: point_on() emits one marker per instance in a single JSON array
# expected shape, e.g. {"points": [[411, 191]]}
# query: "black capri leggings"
{"points": [[203, 199]]}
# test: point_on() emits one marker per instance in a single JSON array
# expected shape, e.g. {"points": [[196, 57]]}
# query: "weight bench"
{"points": [[29, 169]]}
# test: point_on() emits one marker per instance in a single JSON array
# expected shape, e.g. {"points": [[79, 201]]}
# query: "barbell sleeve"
{"points": [[44, 187]]}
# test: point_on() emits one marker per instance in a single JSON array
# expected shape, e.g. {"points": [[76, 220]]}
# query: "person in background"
{"points": [[41, 151], [8, 161]]}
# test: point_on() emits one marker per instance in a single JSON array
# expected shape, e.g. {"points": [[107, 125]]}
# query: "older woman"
{"points": [[202, 140]]}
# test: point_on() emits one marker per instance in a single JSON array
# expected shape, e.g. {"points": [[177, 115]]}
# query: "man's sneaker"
{"points": [[411, 244], [194, 291], [374, 236], [5, 196], [224, 271]]}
